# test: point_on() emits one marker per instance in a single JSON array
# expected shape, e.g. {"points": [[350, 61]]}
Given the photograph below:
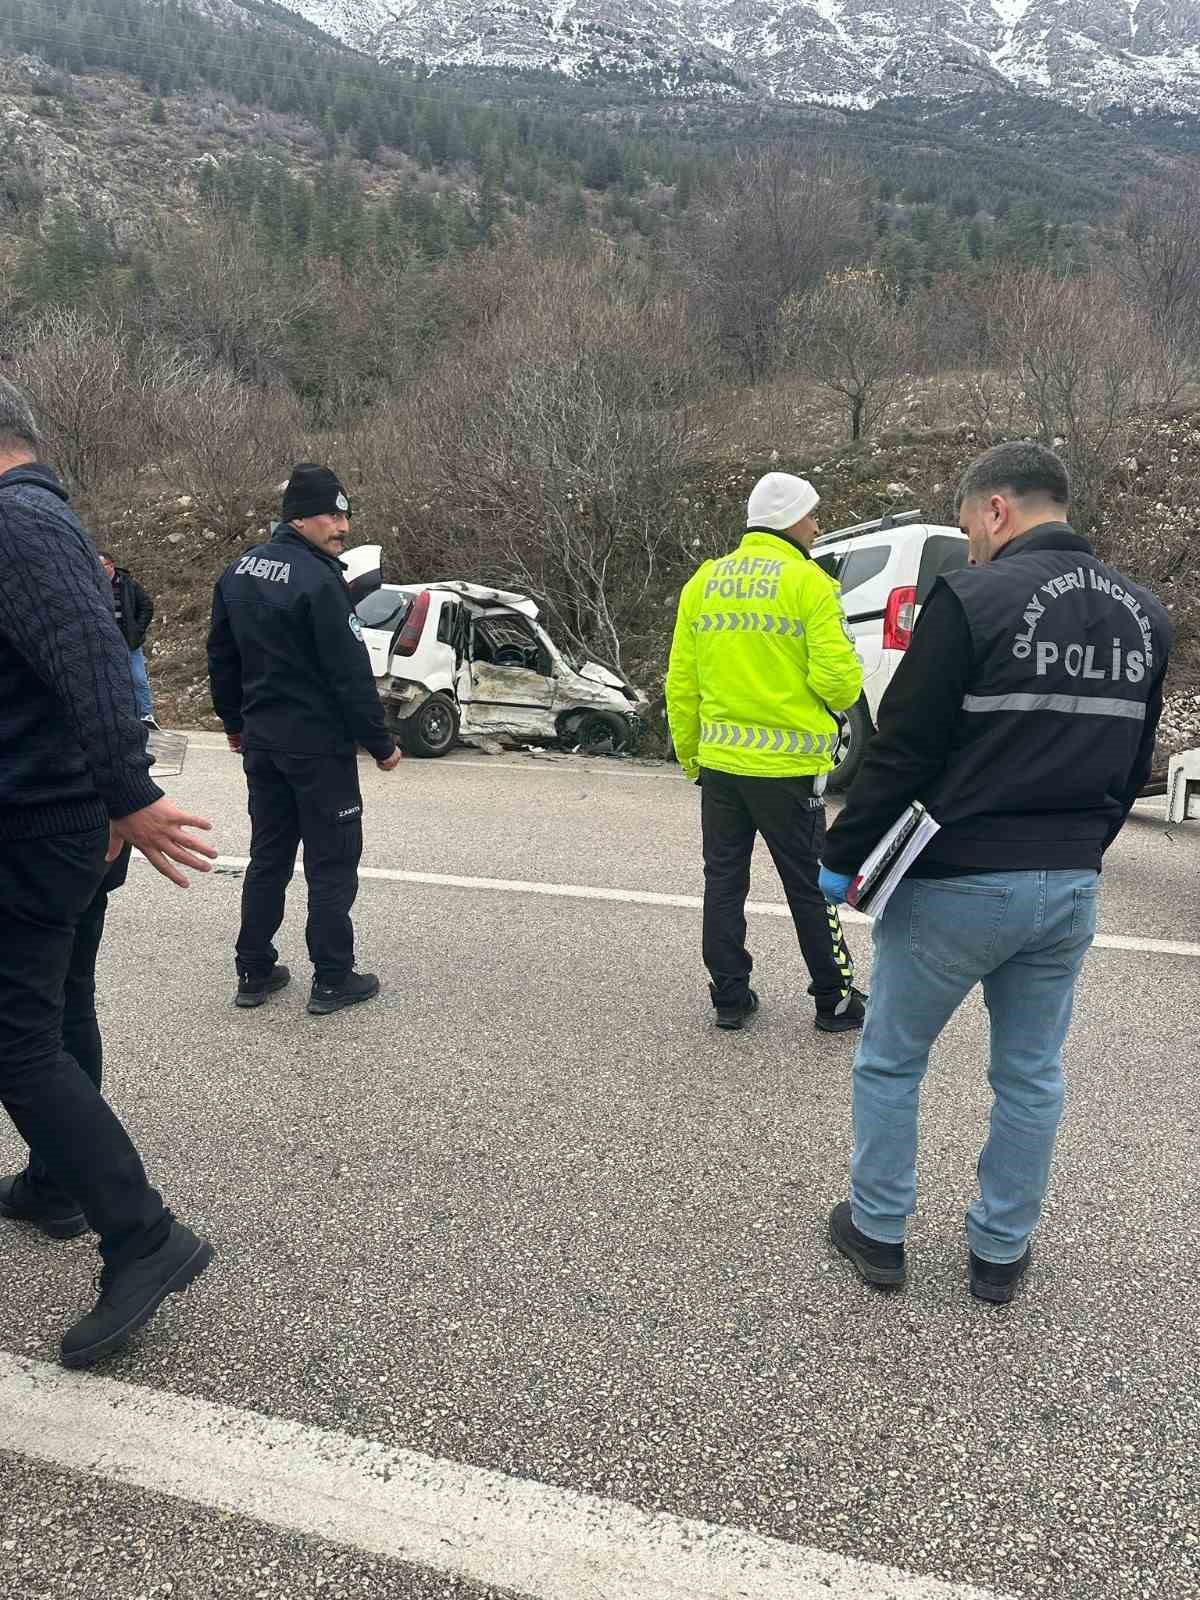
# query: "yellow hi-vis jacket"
{"points": [[761, 655]]}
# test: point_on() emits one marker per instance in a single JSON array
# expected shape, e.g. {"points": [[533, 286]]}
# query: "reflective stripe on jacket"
{"points": [[761, 656]]}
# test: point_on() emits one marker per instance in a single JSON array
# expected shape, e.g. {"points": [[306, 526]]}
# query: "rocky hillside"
{"points": [[1142, 54]]}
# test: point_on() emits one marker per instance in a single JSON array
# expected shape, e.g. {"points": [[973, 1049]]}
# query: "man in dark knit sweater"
{"points": [[75, 790]]}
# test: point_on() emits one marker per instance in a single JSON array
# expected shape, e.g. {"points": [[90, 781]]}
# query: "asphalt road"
{"points": [[529, 1211]]}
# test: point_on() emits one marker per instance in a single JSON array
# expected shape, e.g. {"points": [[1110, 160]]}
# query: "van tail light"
{"points": [[899, 619], [408, 635]]}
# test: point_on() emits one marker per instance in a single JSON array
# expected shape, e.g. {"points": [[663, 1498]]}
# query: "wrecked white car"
{"points": [[457, 659]]}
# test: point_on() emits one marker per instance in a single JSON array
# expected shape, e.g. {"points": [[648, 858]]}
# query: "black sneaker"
{"points": [[253, 991], [847, 1017], [737, 1016], [998, 1281], [327, 997], [130, 1295], [57, 1217], [881, 1265]]}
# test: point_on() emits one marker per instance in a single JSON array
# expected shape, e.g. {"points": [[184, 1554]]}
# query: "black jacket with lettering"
{"points": [[286, 660], [134, 608], [1023, 715]]}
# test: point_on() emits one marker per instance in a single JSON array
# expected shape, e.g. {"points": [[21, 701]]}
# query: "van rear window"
{"points": [[853, 568]]}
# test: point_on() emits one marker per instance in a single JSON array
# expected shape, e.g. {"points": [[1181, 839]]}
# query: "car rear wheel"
{"points": [[433, 727], [855, 730]]}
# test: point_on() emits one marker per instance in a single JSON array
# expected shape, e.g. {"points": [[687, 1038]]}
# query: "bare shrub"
{"points": [[99, 390], [783, 218], [339, 337], [226, 305], [857, 343], [1074, 363], [226, 444]]}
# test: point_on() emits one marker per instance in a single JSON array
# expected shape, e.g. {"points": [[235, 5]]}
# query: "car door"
{"points": [[511, 678], [865, 573]]}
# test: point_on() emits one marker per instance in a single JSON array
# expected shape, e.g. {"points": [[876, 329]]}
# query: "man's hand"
{"points": [[392, 761], [160, 832], [833, 885], [234, 740]]}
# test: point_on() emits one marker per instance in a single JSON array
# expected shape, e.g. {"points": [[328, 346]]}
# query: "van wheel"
{"points": [[600, 733], [433, 727], [855, 731]]}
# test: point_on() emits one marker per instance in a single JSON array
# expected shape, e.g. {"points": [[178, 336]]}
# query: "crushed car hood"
{"points": [[599, 674]]}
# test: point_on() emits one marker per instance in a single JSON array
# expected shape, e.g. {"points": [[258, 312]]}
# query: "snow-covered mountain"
{"points": [[1088, 53]]}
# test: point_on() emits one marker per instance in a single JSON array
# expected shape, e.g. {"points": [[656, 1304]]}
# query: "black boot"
{"points": [[54, 1214], [253, 991], [738, 1016], [847, 1017], [879, 1264], [998, 1281], [327, 997], [130, 1295]]}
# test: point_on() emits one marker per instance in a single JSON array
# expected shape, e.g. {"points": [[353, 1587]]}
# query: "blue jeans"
{"points": [[1023, 935], [141, 682]]}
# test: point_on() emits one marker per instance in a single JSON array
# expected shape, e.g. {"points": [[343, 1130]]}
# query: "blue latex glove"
{"points": [[833, 885]]}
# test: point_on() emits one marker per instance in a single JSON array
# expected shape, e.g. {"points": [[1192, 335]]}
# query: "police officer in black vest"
{"points": [[292, 683], [1024, 717]]}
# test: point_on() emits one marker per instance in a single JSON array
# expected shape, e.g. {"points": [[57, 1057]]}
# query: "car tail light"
{"points": [[408, 635], [899, 618]]}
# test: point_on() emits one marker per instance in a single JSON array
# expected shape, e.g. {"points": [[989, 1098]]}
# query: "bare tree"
{"points": [[548, 452], [1074, 363], [1160, 261], [781, 220], [857, 343]]}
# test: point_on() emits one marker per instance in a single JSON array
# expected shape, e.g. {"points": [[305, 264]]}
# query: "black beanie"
{"points": [[313, 491]]}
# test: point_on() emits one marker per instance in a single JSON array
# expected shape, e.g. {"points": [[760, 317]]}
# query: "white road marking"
{"points": [[547, 1543], [679, 902], [531, 763], [559, 764]]}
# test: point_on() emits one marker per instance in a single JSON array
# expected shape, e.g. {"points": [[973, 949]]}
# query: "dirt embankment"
{"points": [[1150, 529]]}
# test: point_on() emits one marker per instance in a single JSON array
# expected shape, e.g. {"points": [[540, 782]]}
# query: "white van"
{"points": [[457, 658], [886, 569]]}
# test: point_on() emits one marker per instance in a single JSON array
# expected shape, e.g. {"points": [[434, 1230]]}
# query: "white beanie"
{"points": [[780, 501]]}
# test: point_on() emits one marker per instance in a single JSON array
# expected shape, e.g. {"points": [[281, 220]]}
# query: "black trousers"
{"points": [[52, 900], [317, 800], [792, 822], [80, 1028]]}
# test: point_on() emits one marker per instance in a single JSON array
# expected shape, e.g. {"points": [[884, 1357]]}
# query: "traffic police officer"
{"points": [[760, 658], [292, 683], [1024, 717]]}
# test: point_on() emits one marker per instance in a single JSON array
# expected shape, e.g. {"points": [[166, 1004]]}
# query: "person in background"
{"points": [[134, 612], [75, 789], [1023, 716], [292, 683], [760, 657]]}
